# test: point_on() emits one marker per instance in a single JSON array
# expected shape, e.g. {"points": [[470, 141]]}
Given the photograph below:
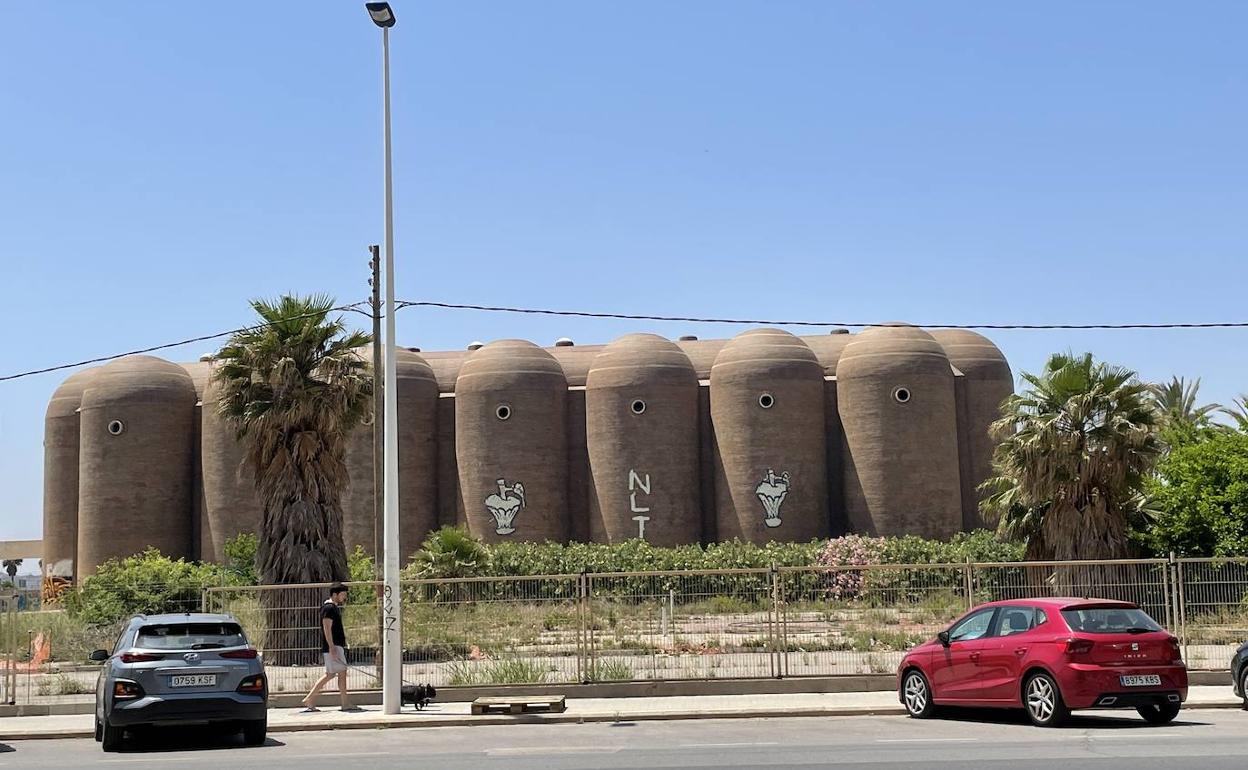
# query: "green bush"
{"points": [[1200, 497], [147, 583]]}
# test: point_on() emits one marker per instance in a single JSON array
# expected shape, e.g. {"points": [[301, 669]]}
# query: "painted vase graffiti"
{"points": [[771, 492], [504, 505]]}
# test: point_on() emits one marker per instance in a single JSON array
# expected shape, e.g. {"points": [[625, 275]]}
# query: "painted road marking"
{"points": [[927, 740]]}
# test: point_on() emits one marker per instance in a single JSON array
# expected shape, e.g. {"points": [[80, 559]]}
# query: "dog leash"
{"points": [[374, 674]]}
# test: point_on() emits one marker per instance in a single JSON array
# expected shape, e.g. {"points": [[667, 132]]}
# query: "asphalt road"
{"points": [[1206, 739]]}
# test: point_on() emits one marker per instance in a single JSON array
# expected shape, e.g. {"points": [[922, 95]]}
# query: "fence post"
{"points": [[584, 663], [778, 656], [1180, 603], [969, 583]]}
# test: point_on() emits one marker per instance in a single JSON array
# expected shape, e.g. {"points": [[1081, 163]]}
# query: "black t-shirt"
{"points": [[334, 613]]}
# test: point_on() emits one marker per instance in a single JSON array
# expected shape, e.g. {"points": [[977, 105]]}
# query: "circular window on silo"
{"points": [[503, 411], [637, 406], [901, 395], [766, 400], [116, 427]]}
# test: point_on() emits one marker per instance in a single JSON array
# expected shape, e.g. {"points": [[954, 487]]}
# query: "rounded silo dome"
{"points": [[60, 475], [973, 354], [641, 406], [898, 409], [137, 436], [511, 442], [767, 411]]}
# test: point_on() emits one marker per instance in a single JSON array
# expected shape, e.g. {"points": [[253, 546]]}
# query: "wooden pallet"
{"points": [[537, 704]]}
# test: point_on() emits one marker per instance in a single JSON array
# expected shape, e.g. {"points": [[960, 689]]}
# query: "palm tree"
{"points": [[293, 387], [1180, 416], [10, 567], [1238, 411], [1074, 450]]}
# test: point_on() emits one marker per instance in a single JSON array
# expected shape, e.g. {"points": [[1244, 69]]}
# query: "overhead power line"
{"points": [[779, 322], [167, 345], [355, 307]]}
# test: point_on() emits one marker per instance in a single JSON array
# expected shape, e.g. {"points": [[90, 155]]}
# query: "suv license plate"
{"points": [[207, 680], [1148, 680]]}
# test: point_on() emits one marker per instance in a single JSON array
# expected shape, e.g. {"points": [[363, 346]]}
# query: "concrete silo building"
{"points": [[767, 411], [983, 382], [60, 475], [895, 393], [511, 443], [766, 436], [641, 415], [135, 461]]}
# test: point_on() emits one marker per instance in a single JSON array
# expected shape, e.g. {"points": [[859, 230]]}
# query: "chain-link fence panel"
{"points": [[862, 619], [712, 624], [1146, 582], [493, 630], [1213, 610]]}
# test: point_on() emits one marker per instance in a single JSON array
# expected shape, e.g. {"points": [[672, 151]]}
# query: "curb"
{"points": [[531, 719]]}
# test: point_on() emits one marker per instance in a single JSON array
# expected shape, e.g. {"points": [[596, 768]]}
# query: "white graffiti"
{"points": [[771, 492], [635, 483], [504, 506]]}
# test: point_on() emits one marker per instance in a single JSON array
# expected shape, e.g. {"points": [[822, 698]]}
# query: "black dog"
{"points": [[418, 695]]}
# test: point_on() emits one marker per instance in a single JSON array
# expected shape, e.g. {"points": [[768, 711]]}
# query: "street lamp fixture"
{"points": [[392, 643], [381, 13]]}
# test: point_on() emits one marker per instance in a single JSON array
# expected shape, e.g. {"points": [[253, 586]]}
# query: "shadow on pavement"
{"points": [[6, 748], [177, 739], [1109, 720]]}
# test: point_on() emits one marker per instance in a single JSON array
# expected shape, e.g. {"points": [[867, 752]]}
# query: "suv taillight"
{"points": [[124, 689], [253, 685], [1079, 646], [140, 657], [247, 654]]}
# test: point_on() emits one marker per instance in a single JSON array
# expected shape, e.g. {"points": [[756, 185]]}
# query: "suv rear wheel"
{"points": [[111, 737], [1043, 700], [254, 732]]}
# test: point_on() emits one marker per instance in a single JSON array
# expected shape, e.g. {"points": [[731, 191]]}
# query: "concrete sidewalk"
{"points": [[579, 710]]}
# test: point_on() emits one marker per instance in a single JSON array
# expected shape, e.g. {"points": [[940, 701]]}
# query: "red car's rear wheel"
{"points": [[1043, 701]]}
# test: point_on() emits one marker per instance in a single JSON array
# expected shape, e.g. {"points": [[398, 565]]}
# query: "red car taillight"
{"points": [[126, 690], [253, 685], [1078, 646], [1176, 652], [140, 657], [247, 654]]}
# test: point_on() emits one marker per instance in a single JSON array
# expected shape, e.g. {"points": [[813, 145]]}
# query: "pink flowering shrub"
{"points": [[849, 551]]}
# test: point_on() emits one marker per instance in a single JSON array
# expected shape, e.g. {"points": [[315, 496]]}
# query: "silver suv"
{"points": [[192, 668]]}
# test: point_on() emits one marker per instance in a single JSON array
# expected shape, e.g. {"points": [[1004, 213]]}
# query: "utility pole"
{"points": [[378, 451]]}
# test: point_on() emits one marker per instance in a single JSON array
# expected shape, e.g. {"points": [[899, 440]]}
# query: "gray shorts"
{"points": [[334, 664]]}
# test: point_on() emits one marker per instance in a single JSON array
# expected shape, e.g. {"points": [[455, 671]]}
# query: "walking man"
{"points": [[333, 650]]}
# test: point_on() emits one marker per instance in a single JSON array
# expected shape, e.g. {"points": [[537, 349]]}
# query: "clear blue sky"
{"points": [[161, 163]]}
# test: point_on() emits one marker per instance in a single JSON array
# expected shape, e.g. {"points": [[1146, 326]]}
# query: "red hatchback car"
{"points": [[1048, 656]]}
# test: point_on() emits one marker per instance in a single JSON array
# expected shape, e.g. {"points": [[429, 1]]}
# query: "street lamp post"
{"points": [[392, 676]]}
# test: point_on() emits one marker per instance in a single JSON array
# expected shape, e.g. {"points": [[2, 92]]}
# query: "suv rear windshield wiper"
{"points": [[209, 646], [1138, 630]]}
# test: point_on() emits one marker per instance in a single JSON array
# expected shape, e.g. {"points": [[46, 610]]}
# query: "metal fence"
{"points": [[646, 626]]}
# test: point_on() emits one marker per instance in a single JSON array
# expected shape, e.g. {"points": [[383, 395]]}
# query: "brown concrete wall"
{"points": [[231, 504], [135, 488], [901, 459], [644, 459], [774, 457], [987, 381]]}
